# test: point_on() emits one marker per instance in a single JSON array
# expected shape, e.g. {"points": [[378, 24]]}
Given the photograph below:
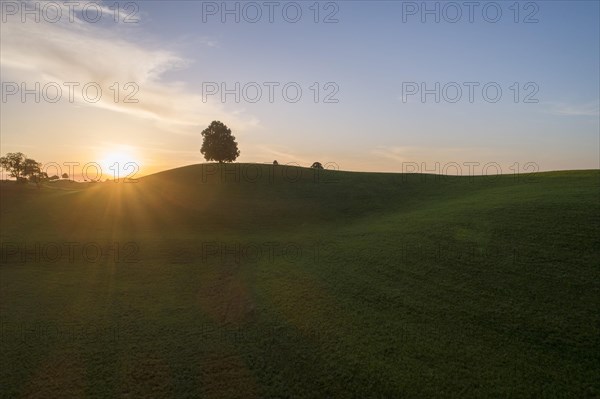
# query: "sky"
{"points": [[386, 86]]}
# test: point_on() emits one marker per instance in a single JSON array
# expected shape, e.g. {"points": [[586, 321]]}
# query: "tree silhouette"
{"points": [[219, 144], [317, 165], [14, 163], [22, 168], [32, 169], [275, 162], [65, 175]]}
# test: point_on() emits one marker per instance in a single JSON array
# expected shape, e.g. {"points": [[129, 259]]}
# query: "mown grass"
{"points": [[330, 284]]}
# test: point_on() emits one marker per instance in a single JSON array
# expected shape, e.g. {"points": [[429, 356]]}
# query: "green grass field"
{"points": [[192, 283]]}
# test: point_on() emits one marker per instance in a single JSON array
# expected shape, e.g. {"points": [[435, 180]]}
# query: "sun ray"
{"points": [[121, 162]]}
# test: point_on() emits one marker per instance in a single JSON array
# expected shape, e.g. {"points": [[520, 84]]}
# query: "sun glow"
{"points": [[120, 163]]}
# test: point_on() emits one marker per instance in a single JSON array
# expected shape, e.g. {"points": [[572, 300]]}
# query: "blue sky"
{"points": [[175, 50]]}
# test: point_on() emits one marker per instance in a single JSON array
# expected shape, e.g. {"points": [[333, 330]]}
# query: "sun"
{"points": [[120, 162]]}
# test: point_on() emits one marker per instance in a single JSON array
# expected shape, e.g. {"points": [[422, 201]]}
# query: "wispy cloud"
{"points": [[415, 153], [83, 52], [281, 154], [586, 109], [399, 154]]}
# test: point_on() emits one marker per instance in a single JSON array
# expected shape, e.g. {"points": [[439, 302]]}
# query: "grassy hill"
{"points": [[260, 281]]}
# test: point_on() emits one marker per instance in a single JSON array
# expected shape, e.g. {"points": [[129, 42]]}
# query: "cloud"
{"points": [[414, 153], [430, 156], [283, 155], [399, 154], [82, 52], [563, 109]]}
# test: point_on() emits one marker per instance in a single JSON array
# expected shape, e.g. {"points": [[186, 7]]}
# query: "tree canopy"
{"points": [[20, 167], [219, 144], [14, 164]]}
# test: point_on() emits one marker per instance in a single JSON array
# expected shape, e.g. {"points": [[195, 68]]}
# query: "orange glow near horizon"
{"points": [[120, 162]]}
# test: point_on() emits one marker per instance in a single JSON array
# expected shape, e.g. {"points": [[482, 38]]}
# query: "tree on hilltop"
{"points": [[219, 144]]}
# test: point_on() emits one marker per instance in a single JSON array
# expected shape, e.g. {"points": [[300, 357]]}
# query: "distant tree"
{"points": [[39, 177], [14, 164], [54, 177], [275, 162], [31, 169], [65, 175], [219, 144], [317, 165]]}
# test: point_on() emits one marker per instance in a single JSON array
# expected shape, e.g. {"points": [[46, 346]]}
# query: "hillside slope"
{"points": [[212, 281]]}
